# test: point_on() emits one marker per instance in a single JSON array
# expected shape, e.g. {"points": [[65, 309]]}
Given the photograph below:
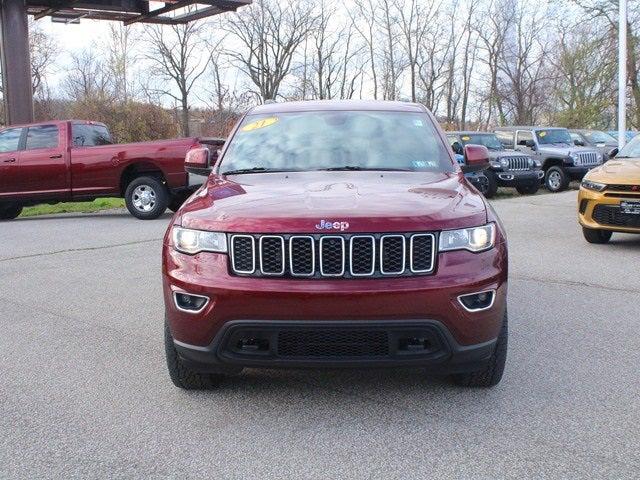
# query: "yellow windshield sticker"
{"points": [[465, 138], [542, 134], [265, 122]]}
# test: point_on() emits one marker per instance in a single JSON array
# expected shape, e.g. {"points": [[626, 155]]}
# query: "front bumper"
{"points": [[589, 200], [514, 178], [400, 304]]}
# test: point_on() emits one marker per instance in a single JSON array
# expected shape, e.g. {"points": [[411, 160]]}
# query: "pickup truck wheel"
{"points": [[181, 375], [492, 188], [491, 374], [10, 211], [528, 189], [556, 180], [593, 235], [146, 198]]}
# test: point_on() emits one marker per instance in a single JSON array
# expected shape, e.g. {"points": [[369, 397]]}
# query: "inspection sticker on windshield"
{"points": [[466, 138], [264, 122], [542, 134], [417, 122]]}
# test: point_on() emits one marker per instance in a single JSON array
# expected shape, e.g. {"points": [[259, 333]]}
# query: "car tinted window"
{"points": [[302, 141], [506, 138], [87, 135], [523, 136], [555, 135], [600, 137], [10, 140], [489, 140], [42, 136]]}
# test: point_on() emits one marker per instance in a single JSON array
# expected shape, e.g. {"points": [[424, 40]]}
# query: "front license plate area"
{"points": [[632, 208]]}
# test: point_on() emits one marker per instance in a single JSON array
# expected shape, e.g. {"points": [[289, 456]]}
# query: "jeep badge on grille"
{"points": [[328, 225]]}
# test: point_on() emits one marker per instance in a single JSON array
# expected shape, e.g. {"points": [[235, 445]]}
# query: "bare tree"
{"points": [[43, 53], [176, 56], [121, 44], [269, 34], [87, 77]]}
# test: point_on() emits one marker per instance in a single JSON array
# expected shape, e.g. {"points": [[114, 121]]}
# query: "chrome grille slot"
{"points": [[362, 255], [302, 256], [332, 256], [271, 253], [422, 252], [345, 255], [392, 254], [243, 253]]}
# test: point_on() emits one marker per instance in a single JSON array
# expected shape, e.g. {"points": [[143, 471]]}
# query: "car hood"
{"points": [[623, 171], [498, 154], [564, 149], [367, 201]]}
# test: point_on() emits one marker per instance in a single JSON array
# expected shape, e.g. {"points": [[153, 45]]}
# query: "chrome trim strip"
{"points": [[404, 254], [373, 255], [322, 239], [433, 252], [473, 310], [253, 251], [175, 301], [313, 256], [278, 237]]}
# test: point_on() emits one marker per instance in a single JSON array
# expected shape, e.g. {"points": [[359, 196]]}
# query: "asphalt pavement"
{"points": [[84, 391]]}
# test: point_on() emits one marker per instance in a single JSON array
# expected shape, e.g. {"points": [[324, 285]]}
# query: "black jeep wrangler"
{"points": [[508, 168]]}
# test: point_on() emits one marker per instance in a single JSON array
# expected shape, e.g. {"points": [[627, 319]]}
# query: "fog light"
{"points": [[476, 302], [187, 302]]}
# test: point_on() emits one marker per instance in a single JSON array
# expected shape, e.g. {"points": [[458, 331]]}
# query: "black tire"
{"points": [[556, 180], [491, 375], [10, 211], [528, 189], [181, 375], [593, 235], [492, 188], [158, 198]]}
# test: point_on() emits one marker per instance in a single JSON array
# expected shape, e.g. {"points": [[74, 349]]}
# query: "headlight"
{"points": [[190, 241], [504, 162], [574, 159], [531, 162], [474, 239], [589, 185]]}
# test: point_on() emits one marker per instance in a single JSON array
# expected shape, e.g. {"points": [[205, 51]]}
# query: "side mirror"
{"points": [[530, 144], [476, 158], [578, 143], [198, 161], [613, 152]]}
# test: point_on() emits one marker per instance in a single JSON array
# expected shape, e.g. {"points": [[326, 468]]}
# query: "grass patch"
{"points": [[74, 207]]}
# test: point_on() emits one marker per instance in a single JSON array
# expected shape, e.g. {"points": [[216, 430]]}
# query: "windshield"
{"points": [[349, 140], [599, 137], [556, 135], [631, 149], [488, 140]]}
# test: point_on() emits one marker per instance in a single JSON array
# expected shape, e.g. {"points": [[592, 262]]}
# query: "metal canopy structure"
{"points": [[14, 39], [170, 12]]}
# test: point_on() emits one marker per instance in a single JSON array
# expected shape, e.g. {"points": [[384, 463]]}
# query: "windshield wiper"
{"points": [[241, 171], [354, 168]]}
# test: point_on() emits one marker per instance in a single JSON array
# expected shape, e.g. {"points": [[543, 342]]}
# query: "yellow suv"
{"points": [[609, 198]]}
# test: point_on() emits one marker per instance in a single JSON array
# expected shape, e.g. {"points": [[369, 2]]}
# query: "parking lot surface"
{"points": [[84, 391]]}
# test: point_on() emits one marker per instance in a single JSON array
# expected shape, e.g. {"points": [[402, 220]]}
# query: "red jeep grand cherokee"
{"points": [[331, 234]]}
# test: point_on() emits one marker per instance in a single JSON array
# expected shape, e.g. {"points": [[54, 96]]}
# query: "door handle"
{"points": [[59, 155], [11, 160]]}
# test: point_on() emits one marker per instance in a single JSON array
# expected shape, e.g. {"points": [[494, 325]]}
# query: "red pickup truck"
{"points": [[75, 160]]}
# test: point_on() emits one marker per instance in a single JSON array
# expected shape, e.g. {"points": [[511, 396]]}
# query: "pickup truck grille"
{"points": [[518, 163], [333, 256], [588, 158]]}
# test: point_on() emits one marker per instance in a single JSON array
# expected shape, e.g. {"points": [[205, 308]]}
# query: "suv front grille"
{"points": [[612, 215], [518, 163], [339, 256], [588, 158]]}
